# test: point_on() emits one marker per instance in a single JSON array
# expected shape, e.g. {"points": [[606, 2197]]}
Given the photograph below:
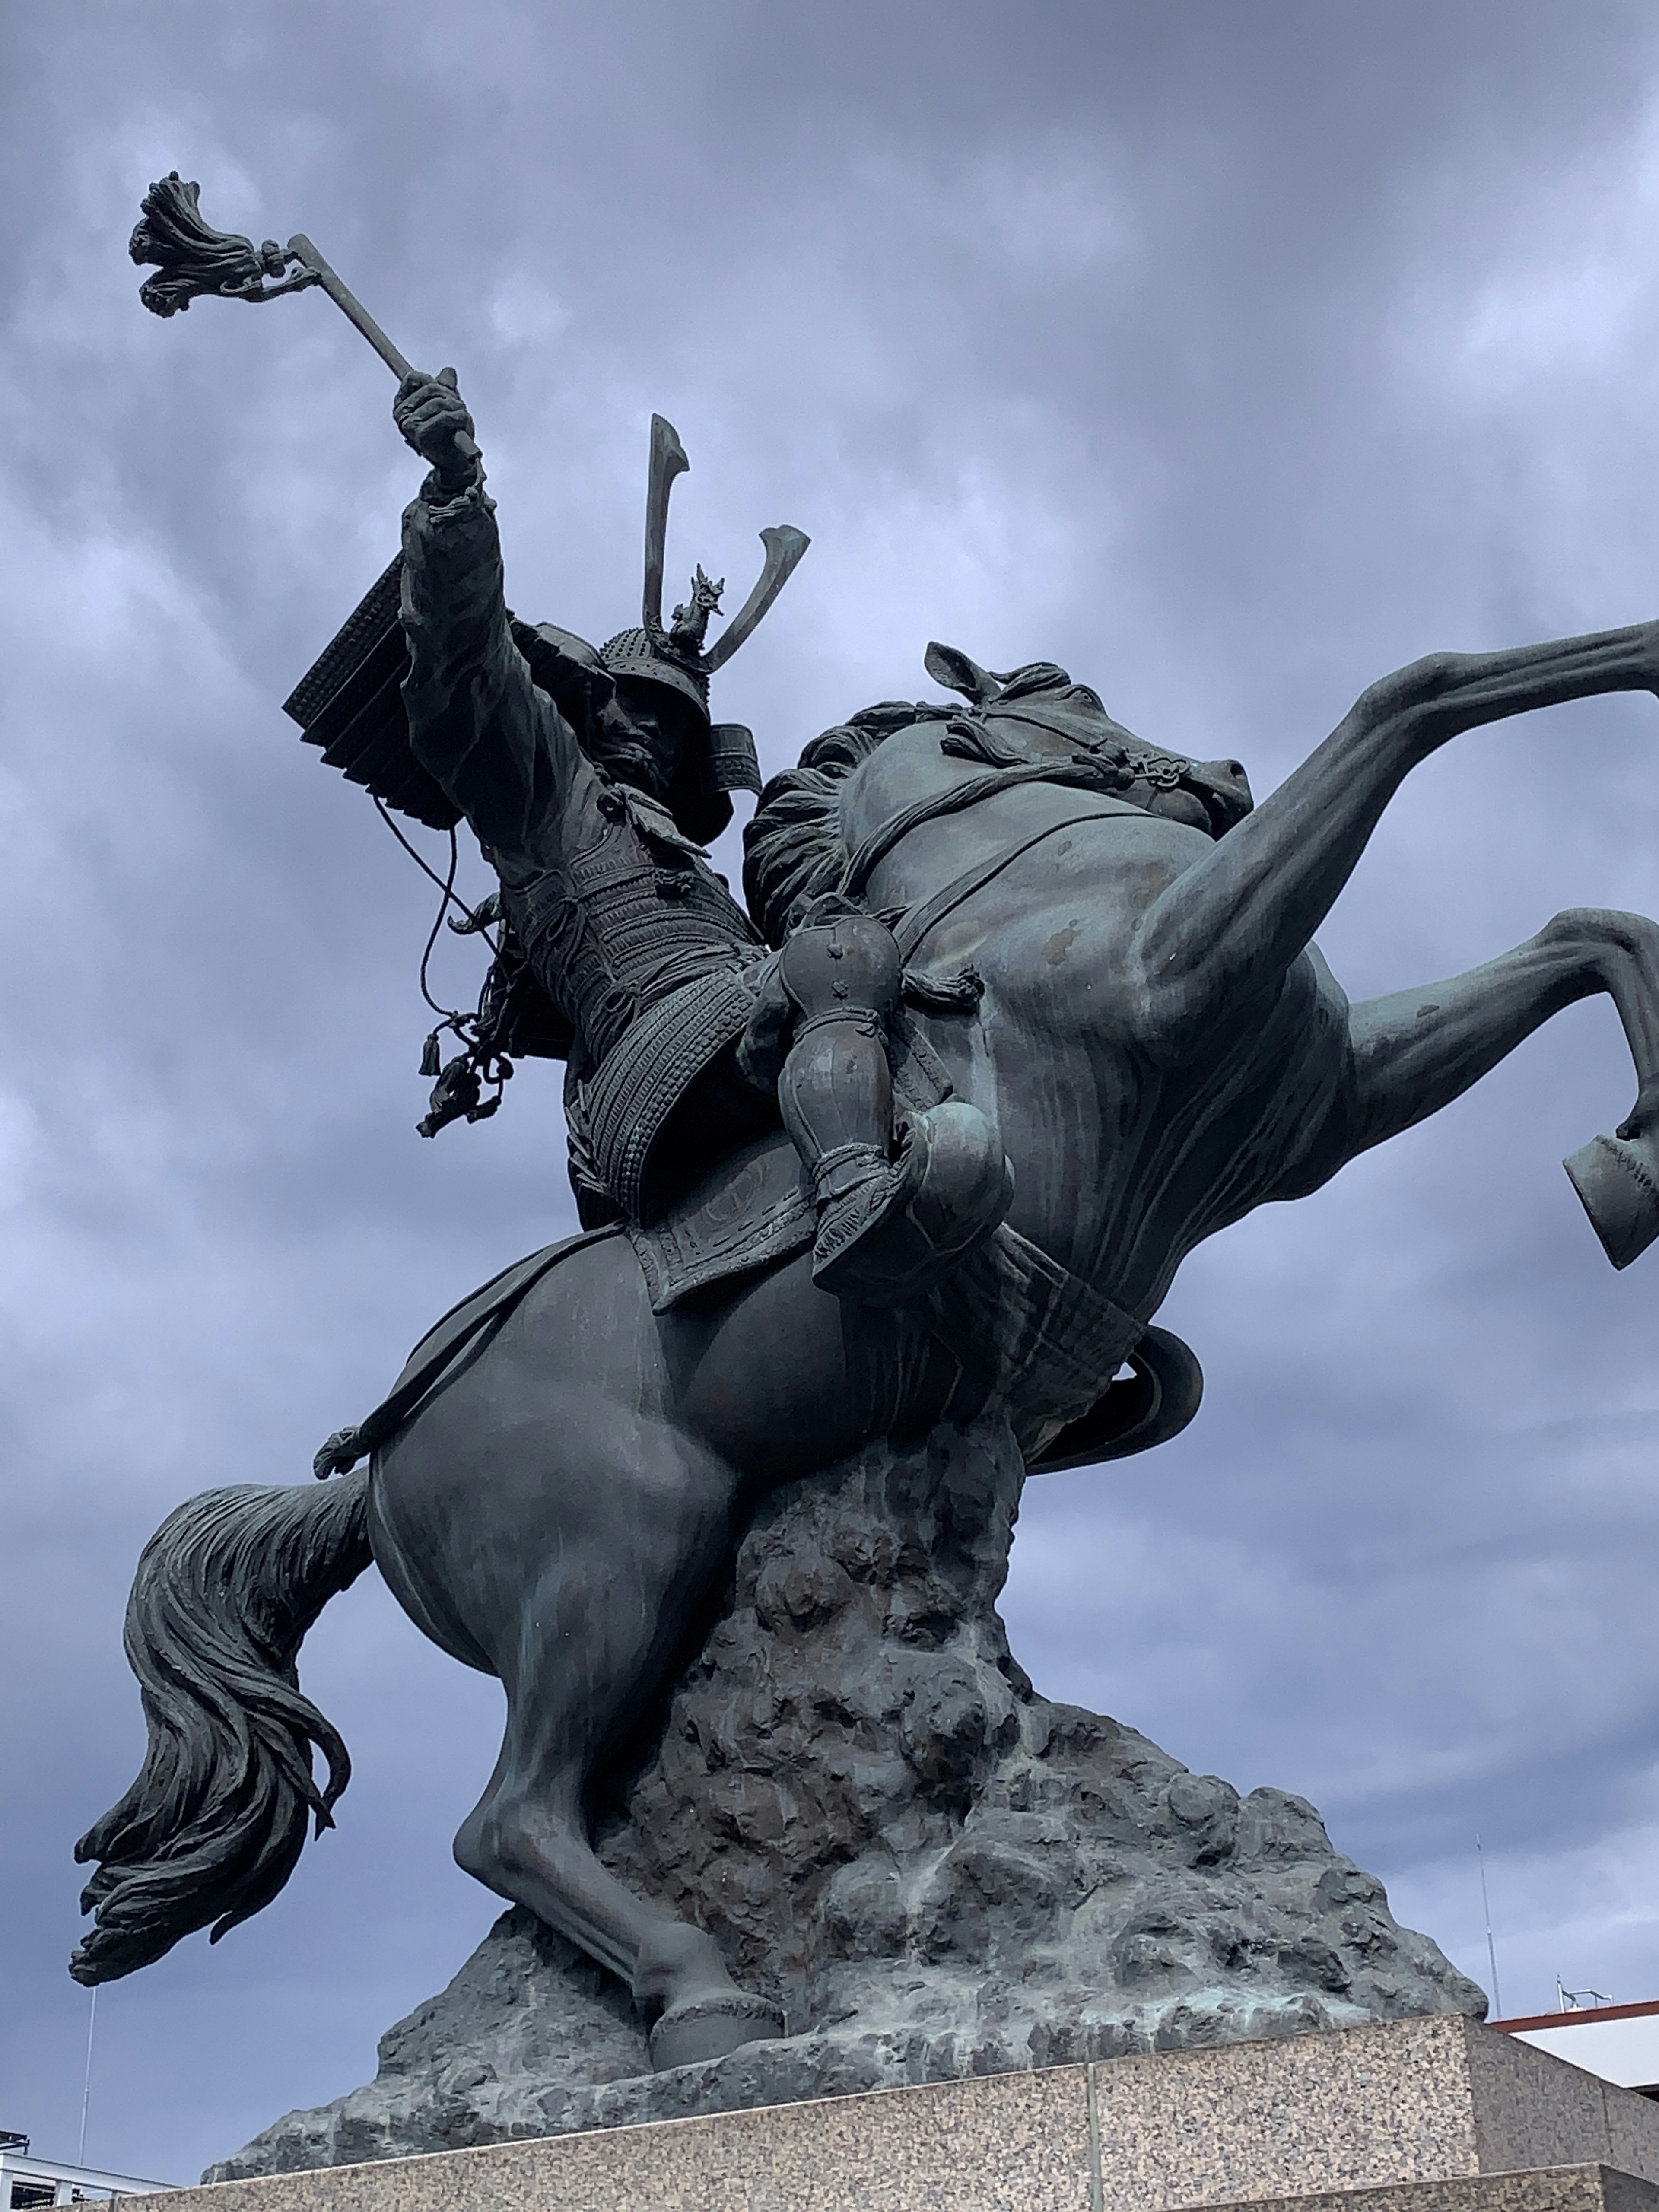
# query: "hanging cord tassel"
{"points": [[457, 1092]]}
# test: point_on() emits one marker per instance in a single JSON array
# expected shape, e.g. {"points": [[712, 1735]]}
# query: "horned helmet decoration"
{"points": [[675, 654]]}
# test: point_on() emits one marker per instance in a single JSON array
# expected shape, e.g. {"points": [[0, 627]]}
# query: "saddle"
{"points": [[1031, 1340], [754, 1207]]}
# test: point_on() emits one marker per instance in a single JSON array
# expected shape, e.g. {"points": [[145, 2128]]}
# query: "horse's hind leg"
{"points": [[528, 1840], [613, 1578]]}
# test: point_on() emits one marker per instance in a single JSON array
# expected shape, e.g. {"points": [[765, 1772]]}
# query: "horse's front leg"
{"points": [[1229, 926], [1415, 1051]]}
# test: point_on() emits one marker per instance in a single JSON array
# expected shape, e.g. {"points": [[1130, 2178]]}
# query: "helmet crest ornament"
{"points": [[690, 624], [675, 656]]}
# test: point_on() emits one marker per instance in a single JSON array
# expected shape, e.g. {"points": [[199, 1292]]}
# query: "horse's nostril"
{"points": [[1235, 767]]}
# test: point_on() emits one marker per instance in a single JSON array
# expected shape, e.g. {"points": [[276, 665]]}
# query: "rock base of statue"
{"points": [[935, 1872]]}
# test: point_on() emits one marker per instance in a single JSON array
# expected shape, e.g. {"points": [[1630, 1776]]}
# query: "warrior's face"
{"points": [[642, 734]]}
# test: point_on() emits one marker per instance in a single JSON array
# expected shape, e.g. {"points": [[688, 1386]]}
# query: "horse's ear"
{"points": [[958, 673]]}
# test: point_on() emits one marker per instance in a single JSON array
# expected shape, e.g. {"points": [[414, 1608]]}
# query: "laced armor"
{"points": [[627, 922], [649, 958], [635, 941]]}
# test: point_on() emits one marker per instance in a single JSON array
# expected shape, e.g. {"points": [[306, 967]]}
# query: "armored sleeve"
{"points": [[496, 744]]}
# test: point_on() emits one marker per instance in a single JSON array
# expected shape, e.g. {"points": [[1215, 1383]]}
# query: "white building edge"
{"points": [[1619, 2042], [29, 2183]]}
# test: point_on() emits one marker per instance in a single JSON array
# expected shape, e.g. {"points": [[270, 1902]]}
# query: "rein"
{"points": [[875, 848], [917, 921]]}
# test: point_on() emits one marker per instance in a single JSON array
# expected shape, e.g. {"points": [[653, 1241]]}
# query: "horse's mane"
{"points": [[793, 849]]}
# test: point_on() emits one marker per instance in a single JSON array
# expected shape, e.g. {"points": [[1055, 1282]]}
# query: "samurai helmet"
{"points": [[675, 656]]}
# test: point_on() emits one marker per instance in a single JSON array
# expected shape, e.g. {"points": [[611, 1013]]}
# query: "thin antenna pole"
{"points": [[85, 2087], [1486, 1906]]}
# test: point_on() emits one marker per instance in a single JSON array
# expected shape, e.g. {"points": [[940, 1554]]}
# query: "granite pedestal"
{"points": [[1436, 2115]]}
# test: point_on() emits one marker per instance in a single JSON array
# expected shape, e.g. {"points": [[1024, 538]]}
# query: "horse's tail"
{"points": [[210, 1831]]}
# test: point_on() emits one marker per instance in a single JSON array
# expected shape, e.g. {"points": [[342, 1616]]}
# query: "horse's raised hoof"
{"points": [[1617, 1180], [712, 2028]]}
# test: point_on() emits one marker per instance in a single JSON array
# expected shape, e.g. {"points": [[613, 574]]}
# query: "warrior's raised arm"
{"points": [[593, 777], [479, 726]]}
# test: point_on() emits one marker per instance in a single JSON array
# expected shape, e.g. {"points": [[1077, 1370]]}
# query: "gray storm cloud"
{"points": [[1230, 356]]}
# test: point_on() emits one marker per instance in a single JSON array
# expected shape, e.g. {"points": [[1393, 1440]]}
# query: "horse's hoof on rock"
{"points": [[1617, 1180], [710, 2027]]}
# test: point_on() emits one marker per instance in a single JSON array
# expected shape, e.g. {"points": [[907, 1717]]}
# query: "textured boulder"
{"points": [[934, 1870]]}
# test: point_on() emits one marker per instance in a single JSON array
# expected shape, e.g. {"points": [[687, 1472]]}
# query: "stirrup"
{"points": [[872, 1190], [951, 1187]]}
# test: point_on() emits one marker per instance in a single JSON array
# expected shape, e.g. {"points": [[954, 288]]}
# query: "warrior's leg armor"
{"points": [[835, 1089], [887, 1228]]}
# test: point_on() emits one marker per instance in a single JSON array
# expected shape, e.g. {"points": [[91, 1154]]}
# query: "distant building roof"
{"points": [[28, 2183], [1617, 2042]]}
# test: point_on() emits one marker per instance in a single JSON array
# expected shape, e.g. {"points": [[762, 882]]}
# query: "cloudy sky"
{"points": [[1231, 352]]}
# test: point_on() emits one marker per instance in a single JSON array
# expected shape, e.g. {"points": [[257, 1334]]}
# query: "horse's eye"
{"points": [[1089, 698]]}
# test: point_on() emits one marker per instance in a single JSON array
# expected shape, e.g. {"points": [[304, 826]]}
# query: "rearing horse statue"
{"points": [[1124, 982], [1088, 970]]}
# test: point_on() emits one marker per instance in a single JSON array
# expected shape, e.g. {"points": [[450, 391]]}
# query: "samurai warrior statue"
{"points": [[593, 779]]}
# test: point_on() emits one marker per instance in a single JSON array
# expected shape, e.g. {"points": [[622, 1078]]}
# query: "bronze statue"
{"points": [[998, 928]]}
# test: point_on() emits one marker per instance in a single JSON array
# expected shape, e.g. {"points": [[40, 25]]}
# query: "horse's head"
{"points": [[1223, 788], [794, 848], [1028, 711]]}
